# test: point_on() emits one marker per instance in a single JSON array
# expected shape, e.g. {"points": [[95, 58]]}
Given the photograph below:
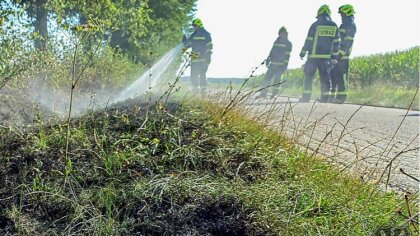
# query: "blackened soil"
{"points": [[220, 216], [7, 226], [33, 186]]}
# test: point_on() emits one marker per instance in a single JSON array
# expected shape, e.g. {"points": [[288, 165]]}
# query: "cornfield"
{"points": [[398, 68]]}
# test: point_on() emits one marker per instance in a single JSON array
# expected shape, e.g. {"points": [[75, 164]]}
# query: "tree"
{"points": [[135, 27], [139, 27], [37, 11]]}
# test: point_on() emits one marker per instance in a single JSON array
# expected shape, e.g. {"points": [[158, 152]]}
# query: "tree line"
{"points": [[140, 29]]}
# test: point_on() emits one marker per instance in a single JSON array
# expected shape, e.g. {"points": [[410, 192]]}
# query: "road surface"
{"points": [[368, 141]]}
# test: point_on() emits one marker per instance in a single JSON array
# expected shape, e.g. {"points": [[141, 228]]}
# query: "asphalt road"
{"points": [[367, 141]]}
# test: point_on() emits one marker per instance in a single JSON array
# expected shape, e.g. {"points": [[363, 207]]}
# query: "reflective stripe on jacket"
{"points": [[323, 38], [347, 31], [201, 44], [280, 52]]}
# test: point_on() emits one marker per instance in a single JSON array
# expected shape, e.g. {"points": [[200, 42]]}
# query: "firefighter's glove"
{"points": [[184, 49], [194, 55], [340, 54], [267, 62], [302, 55]]}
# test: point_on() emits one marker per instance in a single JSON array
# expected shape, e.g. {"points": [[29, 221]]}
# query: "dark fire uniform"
{"points": [[277, 63], [201, 46], [339, 72], [321, 43]]}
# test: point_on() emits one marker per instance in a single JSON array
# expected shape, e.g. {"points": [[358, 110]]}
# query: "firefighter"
{"points": [[201, 50], [339, 73], [276, 62], [321, 44]]}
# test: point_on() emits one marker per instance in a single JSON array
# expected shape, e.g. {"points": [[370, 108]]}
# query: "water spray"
{"points": [[56, 101], [151, 78]]}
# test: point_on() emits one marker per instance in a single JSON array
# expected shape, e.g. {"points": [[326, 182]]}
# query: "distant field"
{"points": [[389, 79]]}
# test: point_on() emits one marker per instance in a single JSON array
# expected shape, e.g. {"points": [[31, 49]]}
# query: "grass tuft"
{"points": [[179, 168]]}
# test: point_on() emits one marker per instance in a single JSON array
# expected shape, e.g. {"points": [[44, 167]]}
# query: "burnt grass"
{"points": [[111, 181], [144, 167]]}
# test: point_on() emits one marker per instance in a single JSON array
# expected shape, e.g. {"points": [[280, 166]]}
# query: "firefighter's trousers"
{"points": [[198, 75], [272, 79], [311, 66], [339, 80]]}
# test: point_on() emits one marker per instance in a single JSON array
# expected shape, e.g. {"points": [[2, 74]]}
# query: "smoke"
{"points": [[57, 100]]}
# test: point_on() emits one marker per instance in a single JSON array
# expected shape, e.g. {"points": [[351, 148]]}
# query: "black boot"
{"points": [[275, 93], [305, 98], [262, 96]]}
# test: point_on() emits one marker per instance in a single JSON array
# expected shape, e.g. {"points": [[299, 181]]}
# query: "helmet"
{"points": [[282, 30], [324, 9], [197, 22], [346, 10]]}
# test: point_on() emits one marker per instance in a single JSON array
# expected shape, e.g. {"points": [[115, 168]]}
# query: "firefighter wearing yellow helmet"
{"points": [[277, 62], [339, 72], [321, 44], [201, 48]]}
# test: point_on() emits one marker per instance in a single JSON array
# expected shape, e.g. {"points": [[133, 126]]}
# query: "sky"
{"points": [[243, 31]]}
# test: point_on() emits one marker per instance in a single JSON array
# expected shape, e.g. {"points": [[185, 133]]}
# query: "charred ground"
{"points": [[110, 152], [153, 168]]}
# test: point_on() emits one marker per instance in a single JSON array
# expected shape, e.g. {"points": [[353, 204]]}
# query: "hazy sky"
{"points": [[243, 31]]}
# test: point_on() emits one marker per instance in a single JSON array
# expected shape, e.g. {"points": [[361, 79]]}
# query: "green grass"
{"points": [[386, 96], [387, 79], [376, 95], [178, 168]]}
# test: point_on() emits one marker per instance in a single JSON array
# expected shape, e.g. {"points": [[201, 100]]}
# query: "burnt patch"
{"points": [[7, 226], [209, 216]]}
